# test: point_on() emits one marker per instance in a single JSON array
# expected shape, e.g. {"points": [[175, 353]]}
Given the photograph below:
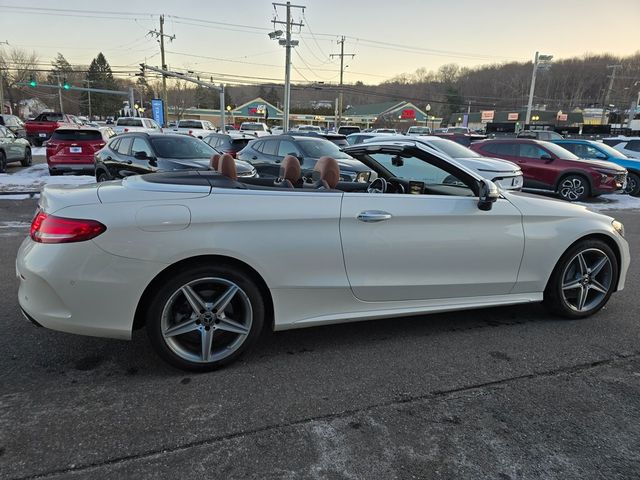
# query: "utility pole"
{"points": [[2, 84], [171, 38], [540, 62], [89, 82], [287, 43], [340, 95], [605, 100], [60, 93]]}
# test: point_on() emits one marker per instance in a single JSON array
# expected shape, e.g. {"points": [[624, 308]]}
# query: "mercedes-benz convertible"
{"points": [[204, 260]]}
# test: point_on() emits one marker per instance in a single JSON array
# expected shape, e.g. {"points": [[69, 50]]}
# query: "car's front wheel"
{"points": [[205, 317], [3, 162], [574, 188], [102, 176], [633, 184], [583, 280]]}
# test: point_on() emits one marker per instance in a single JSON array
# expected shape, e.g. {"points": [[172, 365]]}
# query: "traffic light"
{"points": [[65, 84], [141, 74], [32, 81]]}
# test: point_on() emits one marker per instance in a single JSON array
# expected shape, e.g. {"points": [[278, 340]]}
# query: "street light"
{"points": [[540, 62], [427, 109]]}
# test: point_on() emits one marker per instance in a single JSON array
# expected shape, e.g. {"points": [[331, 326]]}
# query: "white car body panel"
{"points": [[147, 126], [205, 129], [320, 265]]}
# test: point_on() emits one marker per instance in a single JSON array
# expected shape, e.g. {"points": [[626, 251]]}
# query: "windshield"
{"points": [[129, 122], [320, 148], [49, 117], [183, 148], [453, 149], [560, 152], [419, 130], [612, 152], [76, 135], [189, 124], [457, 130], [251, 126]]}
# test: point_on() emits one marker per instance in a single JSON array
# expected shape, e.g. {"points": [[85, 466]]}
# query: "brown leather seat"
{"points": [[329, 172], [290, 173], [227, 167], [215, 160]]}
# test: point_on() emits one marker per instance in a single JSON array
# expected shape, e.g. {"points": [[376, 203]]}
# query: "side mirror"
{"points": [[141, 156], [397, 161], [546, 158], [489, 193], [300, 158], [601, 156]]}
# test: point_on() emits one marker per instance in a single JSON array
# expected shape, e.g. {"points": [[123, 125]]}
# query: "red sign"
{"points": [[487, 115], [253, 110], [563, 117], [408, 114], [513, 116]]}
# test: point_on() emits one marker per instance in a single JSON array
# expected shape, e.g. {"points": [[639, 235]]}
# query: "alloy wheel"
{"points": [[632, 185], [572, 189], [587, 279], [206, 320]]}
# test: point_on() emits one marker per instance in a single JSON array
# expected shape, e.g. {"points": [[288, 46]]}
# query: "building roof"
{"points": [[373, 109]]}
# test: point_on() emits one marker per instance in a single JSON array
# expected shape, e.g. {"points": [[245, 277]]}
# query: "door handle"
{"points": [[254, 158], [372, 216], [128, 162]]}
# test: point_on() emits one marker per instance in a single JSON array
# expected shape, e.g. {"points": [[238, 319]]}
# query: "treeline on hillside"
{"points": [[567, 84]]}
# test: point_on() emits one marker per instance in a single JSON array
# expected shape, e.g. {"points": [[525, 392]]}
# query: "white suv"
{"points": [[136, 124], [257, 129], [629, 146]]}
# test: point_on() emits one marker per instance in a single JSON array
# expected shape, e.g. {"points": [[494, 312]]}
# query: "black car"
{"points": [[14, 124], [266, 154], [139, 152], [230, 143]]}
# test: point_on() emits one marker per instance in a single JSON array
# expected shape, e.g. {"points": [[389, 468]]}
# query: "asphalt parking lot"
{"points": [[502, 393]]}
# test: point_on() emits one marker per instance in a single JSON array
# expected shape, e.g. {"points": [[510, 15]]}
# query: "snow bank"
{"points": [[613, 202], [32, 179]]}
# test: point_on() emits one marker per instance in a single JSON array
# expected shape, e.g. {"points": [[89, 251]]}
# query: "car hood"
{"points": [[597, 163], [490, 165]]}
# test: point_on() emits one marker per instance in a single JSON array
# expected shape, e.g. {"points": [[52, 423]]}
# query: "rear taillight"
{"points": [[51, 229], [126, 130], [190, 132]]}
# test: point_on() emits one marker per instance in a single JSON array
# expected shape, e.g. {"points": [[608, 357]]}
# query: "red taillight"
{"points": [[232, 153], [126, 130], [50, 229], [190, 132]]}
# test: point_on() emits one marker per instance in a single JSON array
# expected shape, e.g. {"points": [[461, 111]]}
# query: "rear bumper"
{"points": [[79, 288], [89, 168], [42, 136]]}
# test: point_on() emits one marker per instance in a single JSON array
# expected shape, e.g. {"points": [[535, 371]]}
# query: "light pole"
{"points": [[540, 61], [427, 109]]}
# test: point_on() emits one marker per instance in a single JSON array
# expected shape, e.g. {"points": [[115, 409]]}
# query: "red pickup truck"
{"points": [[41, 128]]}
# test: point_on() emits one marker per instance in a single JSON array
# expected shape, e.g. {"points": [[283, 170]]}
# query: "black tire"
{"points": [[170, 296], [633, 185], [102, 176], [555, 298], [27, 160], [574, 188], [3, 162]]}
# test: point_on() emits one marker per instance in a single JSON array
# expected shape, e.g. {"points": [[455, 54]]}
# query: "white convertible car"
{"points": [[204, 261]]}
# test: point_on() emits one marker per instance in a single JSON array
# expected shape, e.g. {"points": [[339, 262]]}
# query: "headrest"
{"points": [[215, 160], [227, 167], [328, 170], [290, 169]]}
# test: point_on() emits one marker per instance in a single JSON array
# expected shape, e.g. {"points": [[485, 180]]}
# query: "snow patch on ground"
{"points": [[613, 202], [32, 179]]}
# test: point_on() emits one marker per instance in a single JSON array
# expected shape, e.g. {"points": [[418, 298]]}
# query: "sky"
{"points": [[228, 39]]}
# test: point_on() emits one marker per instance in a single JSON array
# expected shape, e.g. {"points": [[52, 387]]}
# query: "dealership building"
{"points": [[515, 119]]}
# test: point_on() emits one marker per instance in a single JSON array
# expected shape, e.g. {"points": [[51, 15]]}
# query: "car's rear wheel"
{"points": [[3, 162], [574, 188], [205, 317], [633, 184], [26, 161], [583, 280]]}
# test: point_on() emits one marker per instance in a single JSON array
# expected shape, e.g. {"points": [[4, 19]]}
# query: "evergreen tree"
{"points": [[100, 76]]}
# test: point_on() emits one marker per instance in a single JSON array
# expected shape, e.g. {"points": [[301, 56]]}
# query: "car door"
{"points": [[428, 246], [121, 159], [535, 163], [142, 165], [12, 149], [267, 162]]}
